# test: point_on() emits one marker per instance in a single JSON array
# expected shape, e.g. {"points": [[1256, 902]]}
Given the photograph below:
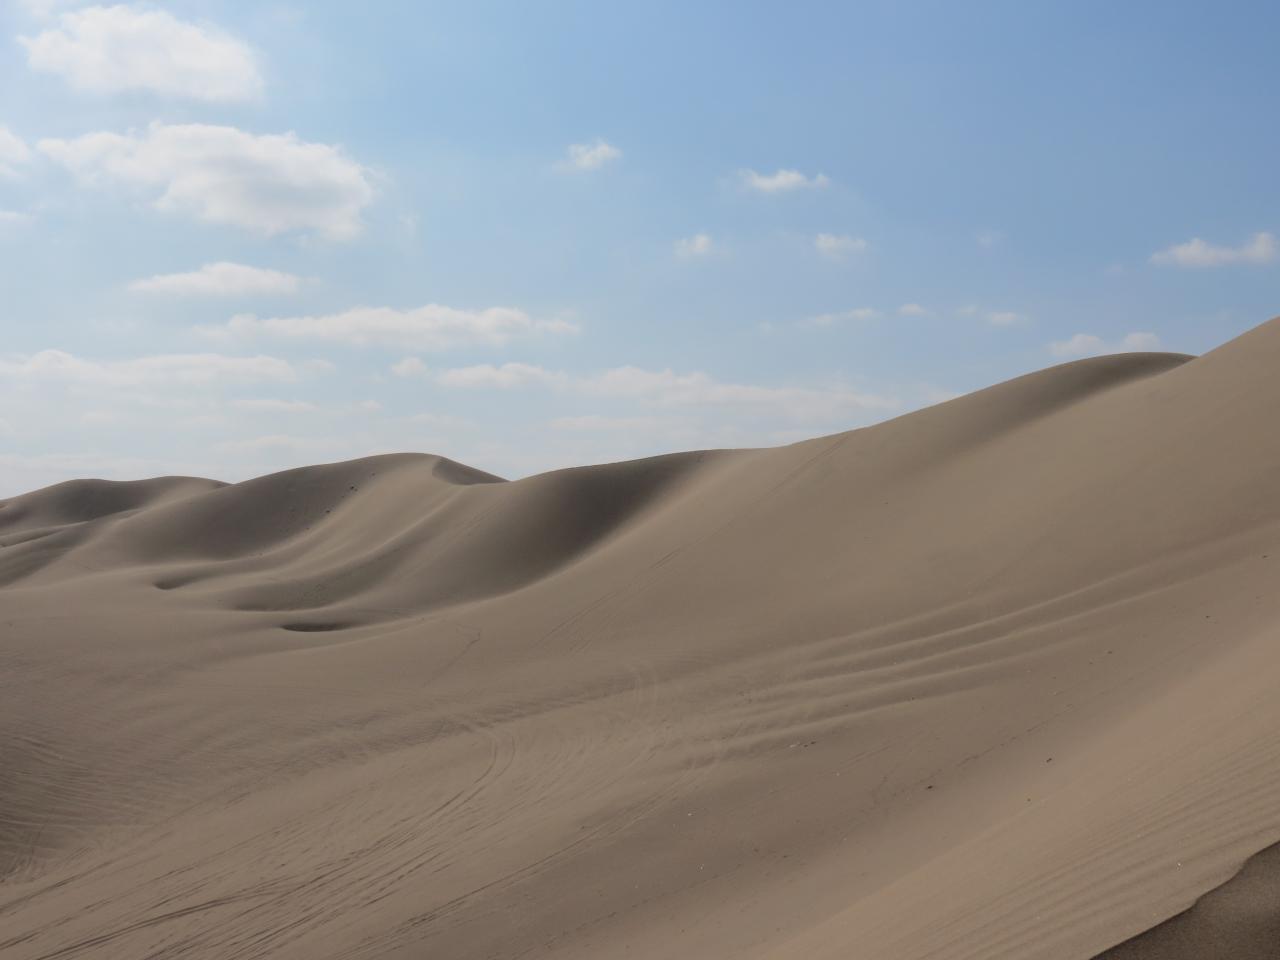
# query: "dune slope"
{"points": [[991, 680]]}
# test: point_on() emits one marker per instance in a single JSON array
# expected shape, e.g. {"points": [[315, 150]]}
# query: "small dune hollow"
{"points": [[316, 626]]}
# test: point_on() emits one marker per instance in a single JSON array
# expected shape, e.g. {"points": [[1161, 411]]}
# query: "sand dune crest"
{"points": [[991, 680]]}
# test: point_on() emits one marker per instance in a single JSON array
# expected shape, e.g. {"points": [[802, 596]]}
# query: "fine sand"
{"points": [[997, 679]]}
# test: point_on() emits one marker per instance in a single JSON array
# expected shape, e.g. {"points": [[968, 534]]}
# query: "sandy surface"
{"points": [[993, 680]]}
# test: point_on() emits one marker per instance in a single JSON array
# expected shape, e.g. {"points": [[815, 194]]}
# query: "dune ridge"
{"points": [[991, 680]]}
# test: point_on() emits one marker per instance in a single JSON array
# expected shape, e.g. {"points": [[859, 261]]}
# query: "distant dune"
{"points": [[996, 679]]}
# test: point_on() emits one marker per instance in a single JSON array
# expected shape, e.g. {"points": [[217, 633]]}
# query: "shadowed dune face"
{"points": [[989, 680], [56, 518], [1239, 920]]}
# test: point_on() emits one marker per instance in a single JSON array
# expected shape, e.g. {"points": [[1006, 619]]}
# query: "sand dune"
{"points": [[992, 680]]}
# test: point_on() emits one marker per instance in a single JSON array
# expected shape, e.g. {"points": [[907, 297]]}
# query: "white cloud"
{"points": [[13, 153], [1262, 248], [13, 216], [431, 327], [838, 246], [180, 368], [1004, 318], [591, 156], [107, 50], [912, 310], [699, 245], [1090, 345], [832, 319], [270, 184], [272, 405], [503, 377], [781, 181], [988, 238], [409, 367], [220, 280]]}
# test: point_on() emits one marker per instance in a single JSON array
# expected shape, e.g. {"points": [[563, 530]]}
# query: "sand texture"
{"points": [[997, 679]]}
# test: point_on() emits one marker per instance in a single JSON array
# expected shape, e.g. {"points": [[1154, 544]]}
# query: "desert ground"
{"points": [[995, 679]]}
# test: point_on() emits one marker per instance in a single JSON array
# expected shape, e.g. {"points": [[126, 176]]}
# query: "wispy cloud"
{"points": [[409, 367], [1004, 318], [270, 184], [105, 50], [220, 280], [443, 421], [1196, 253], [667, 388], [1090, 345], [912, 310], [590, 156], [181, 368], [781, 181], [698, 245], [14, 153], [593, 422], [997, 318], [273, 405], [430, 327], [504, 377], [842, 316], [275, 442], [838, 246]]}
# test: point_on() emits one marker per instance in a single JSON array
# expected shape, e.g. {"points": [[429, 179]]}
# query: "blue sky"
{"points": [[240, 237]]}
